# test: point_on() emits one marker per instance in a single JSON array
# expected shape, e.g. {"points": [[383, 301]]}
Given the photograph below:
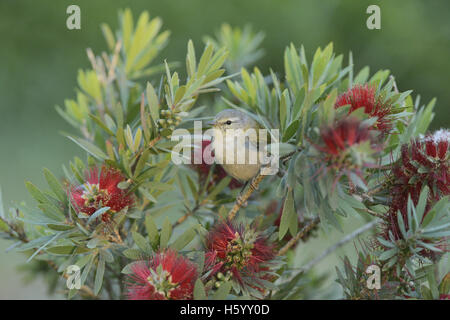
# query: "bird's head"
{"points": [[233, 119]]}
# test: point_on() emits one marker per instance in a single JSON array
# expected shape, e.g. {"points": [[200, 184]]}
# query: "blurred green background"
{"points": [[39, 59]]}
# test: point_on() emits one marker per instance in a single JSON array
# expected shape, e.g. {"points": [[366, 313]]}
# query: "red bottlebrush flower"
{"points": [[425, 161], [365, 97], [100, 190], [237, 252], [344, 134], [203, 168], [166, 276], [347, 147]]}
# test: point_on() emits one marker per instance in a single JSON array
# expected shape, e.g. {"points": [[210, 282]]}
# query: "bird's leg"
{"points": [[239, 200], [253, 187], [243, 188]]}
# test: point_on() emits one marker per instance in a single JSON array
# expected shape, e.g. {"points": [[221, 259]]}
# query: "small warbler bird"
{"points": [[240, 123]]}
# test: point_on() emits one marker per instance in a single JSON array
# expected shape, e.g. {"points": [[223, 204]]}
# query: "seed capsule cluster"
{"points": [[221, 278], [238, 252], [169, 119]]}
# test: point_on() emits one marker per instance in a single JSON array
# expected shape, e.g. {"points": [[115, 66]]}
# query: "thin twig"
{"points": [[339, 244], [374, 213], [150, 145], [189, 213], [242, 198], [183, 218], [299, 236], [376, 190]]}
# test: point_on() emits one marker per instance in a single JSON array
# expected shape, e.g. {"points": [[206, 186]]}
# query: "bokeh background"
{"points": [[39, 59]]}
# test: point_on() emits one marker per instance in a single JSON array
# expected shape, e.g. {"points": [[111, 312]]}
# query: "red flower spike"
{"points": [[237, 252], [203, 168], [100, 190], [364, 96], [343, 135], [166, 276], [342, 143], [424, 161]]}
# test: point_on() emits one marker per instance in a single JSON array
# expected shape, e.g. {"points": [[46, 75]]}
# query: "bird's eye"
{"points": [[228, 122]]}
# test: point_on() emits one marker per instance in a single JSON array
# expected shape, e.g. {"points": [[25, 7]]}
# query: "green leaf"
{"points": [[127, 269], [90, 148], [426, 293], [35, 243], [123, 185], [3, 225], [129, 138], [152, 229], [106, 253], [35, 192], [88, 268], [52, 211], [444, 287], [388, 254], [362, 76], [288, 215], [320, 61], [153, 102], [132, 253], [205, 59], [184, 239], [108, 34], [401, 224], [433, 284], [141, 163], [60, 227], [166, 232], [71, 293], [93, 243], [147, 194], [223, 291], [55, 185], [193, 187], [159, 186], [191, 60], [291, 130], [435, 210], [43, 246], [141, 242], [99, 275], [101, 124], [199, 290], [67, 250], [386, 243], [218, 188], [97, 214]]}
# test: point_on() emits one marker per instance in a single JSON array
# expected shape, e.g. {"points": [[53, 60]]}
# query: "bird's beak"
{"points": [[211, 123]]}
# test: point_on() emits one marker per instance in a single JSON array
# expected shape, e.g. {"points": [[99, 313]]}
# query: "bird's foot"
{"points": [[240, 202], [253, 186]]}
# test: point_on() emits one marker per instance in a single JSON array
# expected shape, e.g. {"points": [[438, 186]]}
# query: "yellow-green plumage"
{"points": [[237, 120]]}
